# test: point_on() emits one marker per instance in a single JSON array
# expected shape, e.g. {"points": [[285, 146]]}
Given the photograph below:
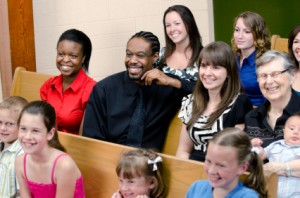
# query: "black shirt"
{"points": [[256, 123], [112, 103]]}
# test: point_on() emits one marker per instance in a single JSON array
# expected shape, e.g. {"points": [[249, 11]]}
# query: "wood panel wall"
{"points": [[21, 29]]}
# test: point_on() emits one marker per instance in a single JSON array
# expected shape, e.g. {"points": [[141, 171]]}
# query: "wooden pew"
{"points": [[27, 84], [97, 161], [173, 135], [278, 43]]}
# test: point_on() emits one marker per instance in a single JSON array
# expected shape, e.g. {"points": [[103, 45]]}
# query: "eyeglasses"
{"points": [[273, 75]]}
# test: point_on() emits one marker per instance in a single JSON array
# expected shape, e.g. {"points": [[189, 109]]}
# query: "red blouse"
{"points": [[70, 104]]}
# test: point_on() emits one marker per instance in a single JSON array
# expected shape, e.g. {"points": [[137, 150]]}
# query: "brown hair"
{"points": [[257, 25], [135, 163], [192, 30], [216, 53], [292, 36], [49, 117], [239, 140]]}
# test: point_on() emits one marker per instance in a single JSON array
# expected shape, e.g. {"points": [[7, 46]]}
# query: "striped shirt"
{"points": [[8, 180]]}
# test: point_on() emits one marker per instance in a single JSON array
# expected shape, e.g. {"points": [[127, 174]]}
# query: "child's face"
{"points": [[222, 167], [33, 134], [8, 127], [131, 188], [292, 131]]}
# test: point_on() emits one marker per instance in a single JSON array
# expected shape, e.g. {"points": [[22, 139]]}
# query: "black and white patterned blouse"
{"points": [[234, 114]]}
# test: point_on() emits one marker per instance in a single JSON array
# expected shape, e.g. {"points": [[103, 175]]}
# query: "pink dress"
{"points": [[40, 190]]}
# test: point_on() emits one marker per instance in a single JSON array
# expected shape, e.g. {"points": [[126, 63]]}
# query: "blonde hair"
{"points": [[134, 163], [14, 103]]}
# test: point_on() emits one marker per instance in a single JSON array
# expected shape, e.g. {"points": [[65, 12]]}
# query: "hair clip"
{"points": [[154, 162], [255, 149]]}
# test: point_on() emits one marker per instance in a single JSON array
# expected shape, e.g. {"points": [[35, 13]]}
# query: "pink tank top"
{"points": [[40, 190]]}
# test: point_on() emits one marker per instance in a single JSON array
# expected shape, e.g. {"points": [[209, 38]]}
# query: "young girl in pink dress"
{"points": [[45, 170]]}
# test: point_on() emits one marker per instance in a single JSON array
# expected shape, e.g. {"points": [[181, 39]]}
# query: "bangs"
{"points": [[213, 56], [131, 167]]}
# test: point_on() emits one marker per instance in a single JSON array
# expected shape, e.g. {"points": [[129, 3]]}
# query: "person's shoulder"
{"points": [[50, 81], [65, 163], [200, 184], [114, 78], [253, 113], [199, 187], [19, 159], [246, 192], [242, 191]]}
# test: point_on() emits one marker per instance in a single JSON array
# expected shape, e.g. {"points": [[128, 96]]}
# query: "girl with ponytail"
{"points": [[228, 156]]}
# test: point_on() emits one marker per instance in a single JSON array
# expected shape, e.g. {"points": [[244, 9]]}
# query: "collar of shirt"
{"points": [[289, 109], [248, 61], [76, 84], [14, 147]]}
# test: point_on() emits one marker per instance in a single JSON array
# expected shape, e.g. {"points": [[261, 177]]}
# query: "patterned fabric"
{"points": [[189, 73], [280, 152], [198, 133], [8, 180]]}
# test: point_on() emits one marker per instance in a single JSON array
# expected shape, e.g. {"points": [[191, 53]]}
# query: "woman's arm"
{"points": [[65, 175], [19, 166], [185, 146]]}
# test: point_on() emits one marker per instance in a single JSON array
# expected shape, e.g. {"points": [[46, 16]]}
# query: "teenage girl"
{"points": [[140, 175], [45, 170], [228, 156]]}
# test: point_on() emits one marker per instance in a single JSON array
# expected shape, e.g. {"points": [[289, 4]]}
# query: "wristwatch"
{"points": [[288, 170]]}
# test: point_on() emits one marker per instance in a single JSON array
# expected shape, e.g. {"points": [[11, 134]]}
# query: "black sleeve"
{"points": [[241, 107], [187, 85], [95, 125]]}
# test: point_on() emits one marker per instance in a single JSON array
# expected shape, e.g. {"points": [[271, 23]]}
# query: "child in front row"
{"points": [[10, 148], [140, 175], [283, 153], [228, 156], [45, 171]]}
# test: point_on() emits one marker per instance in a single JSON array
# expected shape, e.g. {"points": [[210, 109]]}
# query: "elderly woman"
{"points": [[275, 75]]}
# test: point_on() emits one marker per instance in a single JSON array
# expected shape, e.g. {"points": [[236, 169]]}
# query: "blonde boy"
{"points": [[10, 147]]}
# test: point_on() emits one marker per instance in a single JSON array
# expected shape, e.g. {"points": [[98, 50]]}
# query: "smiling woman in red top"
{"points": [[68, 92]]}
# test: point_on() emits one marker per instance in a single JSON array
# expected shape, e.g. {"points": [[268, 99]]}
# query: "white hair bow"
{"points": [[255, 150], [154, 162]]}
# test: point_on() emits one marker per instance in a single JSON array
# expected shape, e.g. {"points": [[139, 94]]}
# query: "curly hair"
{"points": [[258, 27]]}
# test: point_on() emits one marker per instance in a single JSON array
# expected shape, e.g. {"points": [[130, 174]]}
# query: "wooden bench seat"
{"points": [[97, 161]]}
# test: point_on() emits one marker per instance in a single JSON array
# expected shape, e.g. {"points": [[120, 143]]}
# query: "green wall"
{"points": [[280, 15]]}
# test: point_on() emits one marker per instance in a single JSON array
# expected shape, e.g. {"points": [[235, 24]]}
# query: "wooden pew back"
{"points": [[27, 84], [278, 43], [97, 161], [173, 135]]}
